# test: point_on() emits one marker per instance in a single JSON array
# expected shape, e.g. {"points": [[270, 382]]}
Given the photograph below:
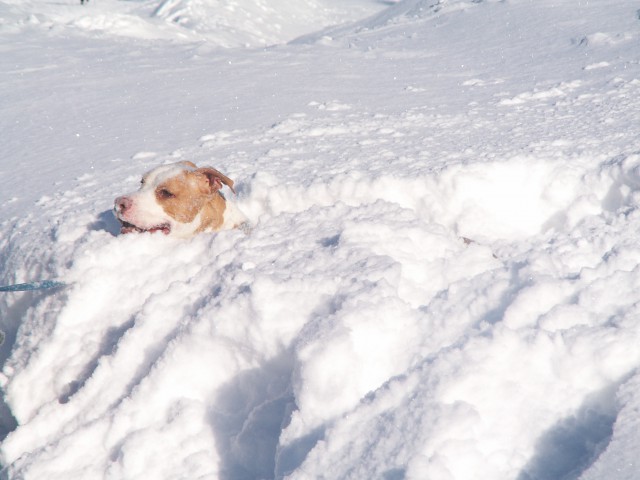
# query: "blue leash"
{"points": [[26, 287]]}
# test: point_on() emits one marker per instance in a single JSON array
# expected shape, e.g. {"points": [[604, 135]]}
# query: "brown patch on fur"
{"points": [[212, 214], [190, 193]]}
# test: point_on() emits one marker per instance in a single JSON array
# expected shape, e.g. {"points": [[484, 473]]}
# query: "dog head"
{"points": [[178, 199]]}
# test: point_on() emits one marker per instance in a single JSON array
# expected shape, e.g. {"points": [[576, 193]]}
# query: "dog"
{"points": [[179, 199]]}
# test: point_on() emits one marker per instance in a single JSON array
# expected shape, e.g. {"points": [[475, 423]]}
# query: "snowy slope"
{"points": [[442, 276]]}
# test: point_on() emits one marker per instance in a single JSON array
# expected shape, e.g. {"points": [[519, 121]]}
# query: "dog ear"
{"points": [[216, 179]]}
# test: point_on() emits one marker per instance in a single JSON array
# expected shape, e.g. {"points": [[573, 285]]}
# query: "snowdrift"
{"points": [[441, 280]]}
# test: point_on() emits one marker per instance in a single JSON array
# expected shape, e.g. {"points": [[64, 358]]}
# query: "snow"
{"points": [[442, 272]]}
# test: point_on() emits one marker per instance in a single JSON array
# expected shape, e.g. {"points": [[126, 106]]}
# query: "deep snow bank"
{"points": [[246, 350], [354, 333]]}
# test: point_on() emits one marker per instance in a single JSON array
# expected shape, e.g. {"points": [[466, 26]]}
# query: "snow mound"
{"points": [[220, 23], [352, 300], [253, 23]]}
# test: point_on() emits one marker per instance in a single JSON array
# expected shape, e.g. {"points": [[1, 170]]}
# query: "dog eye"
{"points": [[164, 193]]}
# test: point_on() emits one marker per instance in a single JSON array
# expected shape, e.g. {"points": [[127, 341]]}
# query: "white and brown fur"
{"points": [[179, 199]]}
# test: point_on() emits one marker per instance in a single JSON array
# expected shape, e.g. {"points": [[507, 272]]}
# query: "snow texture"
{"points": [[442, 276]]}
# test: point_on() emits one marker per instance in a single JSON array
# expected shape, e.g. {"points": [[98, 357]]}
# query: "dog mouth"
{"points": [[131, 228]]}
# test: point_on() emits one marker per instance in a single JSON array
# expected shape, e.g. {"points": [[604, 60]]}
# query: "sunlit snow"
{"points": [[441, 280]]}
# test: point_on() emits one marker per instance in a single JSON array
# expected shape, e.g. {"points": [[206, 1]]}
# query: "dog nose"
{"points": [[123, 204]]}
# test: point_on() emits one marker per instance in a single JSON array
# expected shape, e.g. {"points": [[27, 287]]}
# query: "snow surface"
{"points": [[442, 278]]}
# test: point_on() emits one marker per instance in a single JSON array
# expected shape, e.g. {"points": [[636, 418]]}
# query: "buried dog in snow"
{"points": [[179, 199]]}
